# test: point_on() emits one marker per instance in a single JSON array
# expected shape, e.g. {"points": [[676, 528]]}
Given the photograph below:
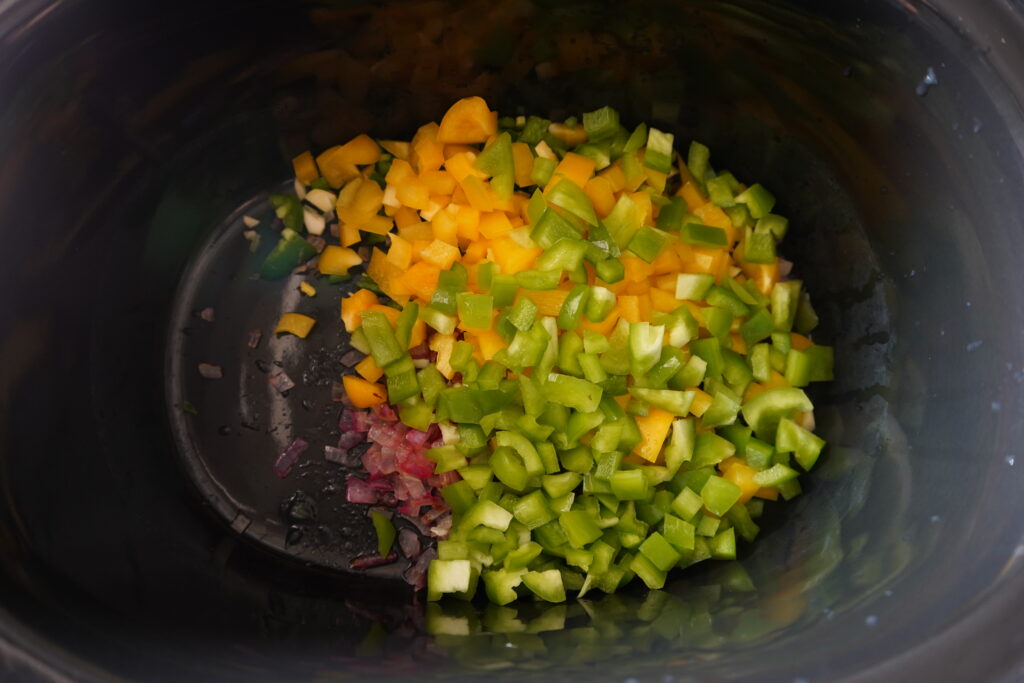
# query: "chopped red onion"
{"points": [[281, 382], [385, 412], [360, 491], [318, 242], [361, 421], [368, 561], [380, 483], [289, 456], [416, 522], [417, 438], [379, 462], [338, 393], [785, 267], [409, 542], [335, 455], [364, 253], [350, 439], [409, 488], [208, 314], [421, 351], [442, 527], [210, 371], [412, 507], [351, 358], [387, 435], [414, 462], [434, 512], [434, 432], [254, 338], [439, 481], [416, 575]]}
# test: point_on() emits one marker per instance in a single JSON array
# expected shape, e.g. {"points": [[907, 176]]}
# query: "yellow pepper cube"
{"points": [[307, 289], [440, 254], [295, 323], [337, 260]]}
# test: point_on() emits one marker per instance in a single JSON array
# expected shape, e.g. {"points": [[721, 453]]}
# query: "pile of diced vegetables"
{"points": [[590, 341]]}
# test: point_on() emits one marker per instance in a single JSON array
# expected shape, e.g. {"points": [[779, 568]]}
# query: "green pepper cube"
{"points": [[669, 400], [532, 510], [475, 310], [700, 235], [579, 527], [385, 531], [509, 469], [678, 532], [723, 545], [523, 314], [660, 552], [546, 585], [599, 304], [652, 577], [697, 159], [658, 152], [552, 227], [601, 123], [384, 346], [764, 411], [776, 475], [681, 444], [522, 556], [448, 576], [500, 585], [693, 286], [623, 222], [487, 513], [759, 201], [542, 170], [687, 504], [557, 485], [648, 242], [630, 485], [720, 494], [711, 449], [572, 392], [569, 196], [571, 313], [565, 254]]}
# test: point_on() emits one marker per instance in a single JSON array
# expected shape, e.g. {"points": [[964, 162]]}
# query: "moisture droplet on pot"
{"points": [[871, 621], [1010, 460], [927, 82]]}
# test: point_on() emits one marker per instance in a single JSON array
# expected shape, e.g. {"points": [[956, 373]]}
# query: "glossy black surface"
{"points": [[128, 133]]}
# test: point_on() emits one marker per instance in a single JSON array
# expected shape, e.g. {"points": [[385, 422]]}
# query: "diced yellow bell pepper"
{"points": [[494, 224], [337, 260], [575, 167], [368, 369], [442, 344], [701, 402], [654, 427], [307, 289], [742, 475], [363, 394], [295, 323], [692, 196], [305, 168], [440, 254], [602, 196], [400, 253], [468, 121], [354, 304]]}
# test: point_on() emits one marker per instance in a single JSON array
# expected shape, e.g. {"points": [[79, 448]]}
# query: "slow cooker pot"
{"points": [[130, 133]]}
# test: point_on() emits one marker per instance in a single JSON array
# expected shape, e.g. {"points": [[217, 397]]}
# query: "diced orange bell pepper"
{"points": [[742, 475], [405, 216], [353, 305], [305, 168], [295, 323], [335, 168], [768, 493], [417, 232], [604, 327], [654, 428], [468, 221], [440, 254], [349, 235], [368, 370], [799, 341], [511, 257], [478, 193], [442, 345], [636, 269], [440, 183], [629, 308], [363, 394], [469, 120], [662, 301], [764, 275], [494, 224], [667, 262], [738, 345], [522, 157], [476, 252], [602, 196], [692, 196], [425, 152], [400, 253], [361, 150], [549, 301], [701, 402], [489, 343], [418, 334], [655, 179], [615, 177], [445, 228], [337, 260], [421, 280], [575, 167]]}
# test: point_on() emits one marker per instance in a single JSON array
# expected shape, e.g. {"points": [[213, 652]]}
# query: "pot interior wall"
{"points": [[128, 135]]}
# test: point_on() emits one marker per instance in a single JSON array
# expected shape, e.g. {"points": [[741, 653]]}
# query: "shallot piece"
{"points": [[368, 561], [318, 242], [210, 371], [337, 392], [208, 314], [289, 456], [360, 491], [416, 575], [254, 338], [335, 455], [409, 542], [351, 358], [281, 382]]}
